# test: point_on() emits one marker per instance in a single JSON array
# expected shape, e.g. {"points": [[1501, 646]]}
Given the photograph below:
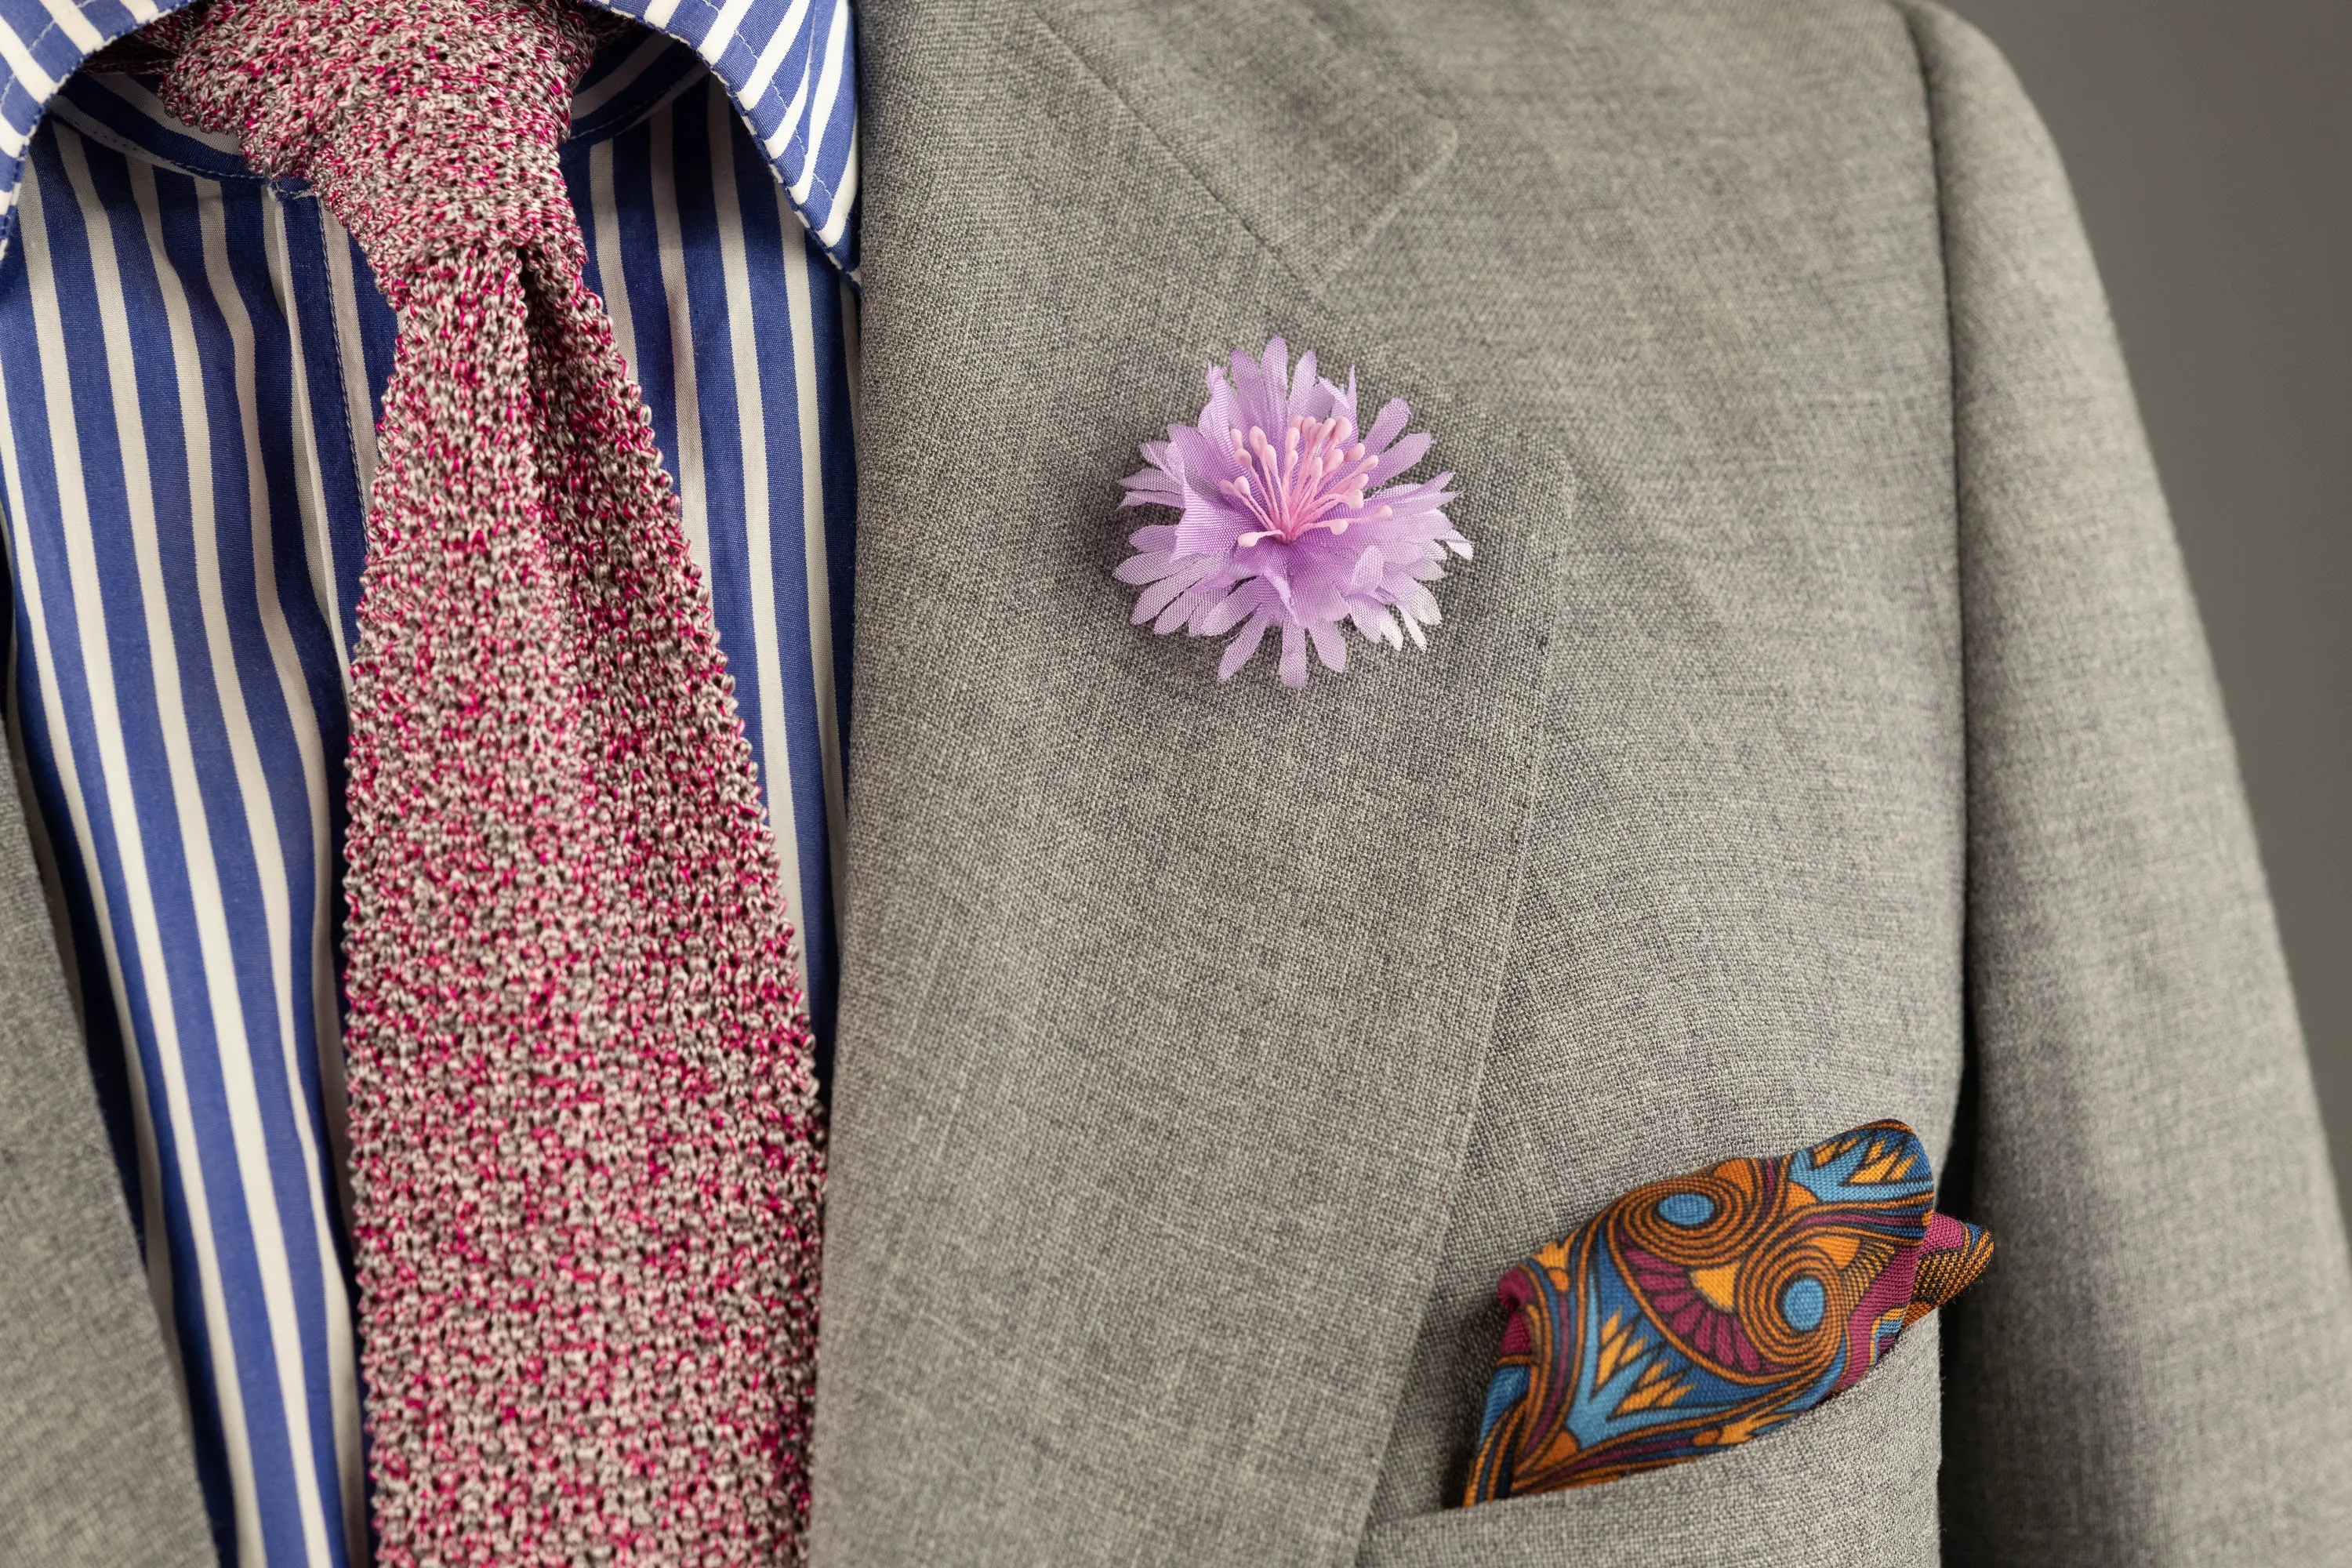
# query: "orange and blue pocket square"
{"points": [[1700, 1312]]}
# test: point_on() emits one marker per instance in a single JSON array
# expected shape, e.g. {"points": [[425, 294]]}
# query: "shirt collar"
{"points": [[788, 65]]}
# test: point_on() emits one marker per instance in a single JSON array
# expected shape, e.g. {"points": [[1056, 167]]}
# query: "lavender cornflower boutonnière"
{"points": [[1289, 521]]}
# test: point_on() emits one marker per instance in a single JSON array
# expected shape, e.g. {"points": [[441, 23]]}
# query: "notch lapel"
{"points": [[1164, 1002]]}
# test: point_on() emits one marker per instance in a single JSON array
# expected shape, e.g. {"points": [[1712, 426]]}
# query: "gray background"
{"points": [[2211, 146]]}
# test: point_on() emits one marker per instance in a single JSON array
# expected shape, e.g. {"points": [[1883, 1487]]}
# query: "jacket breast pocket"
{"points": [[1851, 1480]]}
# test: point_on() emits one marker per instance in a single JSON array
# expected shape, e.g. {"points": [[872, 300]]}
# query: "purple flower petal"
{"points": [[1276, 382], [1222, 412], [1375, 624], [1200, 456], [1243, 648], [1294, 655], [1204, 530], [1222, 615], [1400, 457], [1329, 646], [1148, 567], [1162, 594]]}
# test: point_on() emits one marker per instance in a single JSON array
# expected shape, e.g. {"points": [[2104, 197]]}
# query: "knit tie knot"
{"points": [[587, 1154], [426, 128]]}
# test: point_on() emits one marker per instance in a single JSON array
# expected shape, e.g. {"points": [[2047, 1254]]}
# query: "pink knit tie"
{"points": [[585, 1146]]}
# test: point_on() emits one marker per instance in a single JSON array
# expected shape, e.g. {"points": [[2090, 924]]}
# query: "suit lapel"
{"points": [[1164, 1002]]}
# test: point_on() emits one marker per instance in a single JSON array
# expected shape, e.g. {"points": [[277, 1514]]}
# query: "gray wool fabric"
{"points": [[2159, 1372], [1821, 732], [1806, 743], [95, 1467]]}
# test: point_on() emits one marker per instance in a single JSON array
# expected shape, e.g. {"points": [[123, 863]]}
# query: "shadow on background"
{"points": [[2209, 142]]}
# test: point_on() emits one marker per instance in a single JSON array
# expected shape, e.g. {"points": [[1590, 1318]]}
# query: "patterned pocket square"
{"points": [[1704, 1309]]}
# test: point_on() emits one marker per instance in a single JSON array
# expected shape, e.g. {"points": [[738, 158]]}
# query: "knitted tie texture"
{"points": [[587, 1154]]}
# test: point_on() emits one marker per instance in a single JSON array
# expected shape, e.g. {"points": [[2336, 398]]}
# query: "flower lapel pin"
{"points": [[1291, 520]]}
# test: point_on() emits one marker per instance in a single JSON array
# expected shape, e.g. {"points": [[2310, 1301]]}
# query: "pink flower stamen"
{"points": [[1317, 473]]}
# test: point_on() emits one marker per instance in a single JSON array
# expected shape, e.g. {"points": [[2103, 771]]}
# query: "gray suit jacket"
{"points": [[1822, 732]]}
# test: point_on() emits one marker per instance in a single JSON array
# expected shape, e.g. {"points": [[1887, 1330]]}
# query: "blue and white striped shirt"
{"points": [[191, 360]]}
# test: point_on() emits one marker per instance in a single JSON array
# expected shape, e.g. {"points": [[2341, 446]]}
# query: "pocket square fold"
{"points": [[1696, 1312]]}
